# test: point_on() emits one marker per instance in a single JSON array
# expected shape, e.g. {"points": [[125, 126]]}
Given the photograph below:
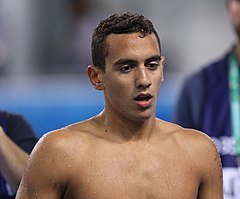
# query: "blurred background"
{"points": [[45, 50]]}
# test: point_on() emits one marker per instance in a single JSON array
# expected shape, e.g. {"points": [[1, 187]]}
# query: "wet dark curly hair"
{"points": [[118, 24]]}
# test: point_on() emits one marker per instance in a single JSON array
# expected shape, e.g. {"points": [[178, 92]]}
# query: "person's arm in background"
{"points": [[15, 146], [13, 160]]}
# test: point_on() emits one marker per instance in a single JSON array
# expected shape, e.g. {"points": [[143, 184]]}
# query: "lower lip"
{"points": [[144, 104]]}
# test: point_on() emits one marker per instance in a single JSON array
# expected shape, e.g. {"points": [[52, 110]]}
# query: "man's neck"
{"points": [[126, 129]]}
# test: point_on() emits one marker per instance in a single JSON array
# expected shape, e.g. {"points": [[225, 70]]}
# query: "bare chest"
{"points": [[130, 175]]}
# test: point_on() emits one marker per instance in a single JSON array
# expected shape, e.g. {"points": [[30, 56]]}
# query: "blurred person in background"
{"points": [[210, 102], [4, 42], [71, 50], [17, 139]]}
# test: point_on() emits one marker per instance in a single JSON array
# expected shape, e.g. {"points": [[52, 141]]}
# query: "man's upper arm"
{"points": [[211, 167], [45, 174]]}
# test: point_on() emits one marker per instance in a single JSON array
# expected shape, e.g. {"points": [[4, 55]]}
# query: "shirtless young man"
{"points": [[125, 152]]}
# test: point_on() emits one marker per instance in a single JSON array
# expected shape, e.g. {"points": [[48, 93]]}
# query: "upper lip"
{"points": [[143, 97]]}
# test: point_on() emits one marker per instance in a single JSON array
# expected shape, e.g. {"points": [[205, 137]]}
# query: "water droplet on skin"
{"points": [[88, 180], [69, 165], [147, 145]]}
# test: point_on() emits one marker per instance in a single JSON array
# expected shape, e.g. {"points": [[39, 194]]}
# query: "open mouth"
{"points": [[143, 97]]}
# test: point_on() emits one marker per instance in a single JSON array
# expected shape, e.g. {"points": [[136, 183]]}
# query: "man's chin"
{"points": [[142, 117]]}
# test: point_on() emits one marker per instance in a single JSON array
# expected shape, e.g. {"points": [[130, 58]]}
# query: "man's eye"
{"points": [[153, 66], [125, 69]]}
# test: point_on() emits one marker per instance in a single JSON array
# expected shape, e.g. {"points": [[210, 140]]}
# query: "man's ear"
{"points": [[95, 77]]}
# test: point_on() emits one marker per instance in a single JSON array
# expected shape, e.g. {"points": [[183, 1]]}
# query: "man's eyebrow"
{"points": [[125, 61], [153, 58], [134, 62]]}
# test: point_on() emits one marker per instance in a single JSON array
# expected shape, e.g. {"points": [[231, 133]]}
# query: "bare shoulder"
{"points": [[57, 149], [63, 141], [198, 140], [198, 145], [56, 159], [186, 136]]}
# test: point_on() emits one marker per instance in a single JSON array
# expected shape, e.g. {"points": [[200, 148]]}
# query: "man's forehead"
{"points": [[132, 47], [123, 40]]}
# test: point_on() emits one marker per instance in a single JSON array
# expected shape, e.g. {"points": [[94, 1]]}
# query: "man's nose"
{"points": [[142, 78]]}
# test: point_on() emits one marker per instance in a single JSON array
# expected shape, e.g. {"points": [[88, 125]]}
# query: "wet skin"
{"points": [[125, 152]]}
